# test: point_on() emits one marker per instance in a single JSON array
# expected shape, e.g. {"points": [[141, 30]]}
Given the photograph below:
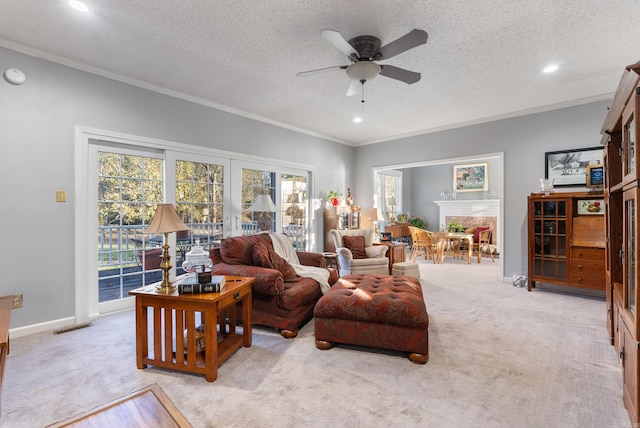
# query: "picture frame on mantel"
{"points": [[471, 177], [569, 167]]}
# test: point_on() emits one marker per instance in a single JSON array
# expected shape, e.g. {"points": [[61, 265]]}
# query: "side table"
{"points": [[331, 260], [397, 252], [174, 313]]}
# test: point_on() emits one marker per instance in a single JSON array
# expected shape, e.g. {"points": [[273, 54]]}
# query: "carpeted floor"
{"points": [[499, 357]]}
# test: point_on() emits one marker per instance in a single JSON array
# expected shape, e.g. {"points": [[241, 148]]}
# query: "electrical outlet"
{"points": [[17, 301]]}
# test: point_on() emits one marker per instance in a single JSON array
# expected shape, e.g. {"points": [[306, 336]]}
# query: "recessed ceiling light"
{"points": [[550, 68], [357, 119], [78, 5]]}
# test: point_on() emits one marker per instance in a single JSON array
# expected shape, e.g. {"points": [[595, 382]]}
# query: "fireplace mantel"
{"points": [[469, 208]]}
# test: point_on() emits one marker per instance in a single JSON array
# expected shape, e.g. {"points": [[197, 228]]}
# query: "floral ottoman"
{"points": [[378, 311]]}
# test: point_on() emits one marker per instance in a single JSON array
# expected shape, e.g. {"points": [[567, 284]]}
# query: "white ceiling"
{"points": [[483, 59]]}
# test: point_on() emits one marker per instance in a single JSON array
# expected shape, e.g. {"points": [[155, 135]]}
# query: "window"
{"points": [[120, 181], [129, 188], [293, 209], [200, 205], [388, 194]]}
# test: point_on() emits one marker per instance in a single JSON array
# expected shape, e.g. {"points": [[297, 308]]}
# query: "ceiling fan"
{"points": [[364, 51]]}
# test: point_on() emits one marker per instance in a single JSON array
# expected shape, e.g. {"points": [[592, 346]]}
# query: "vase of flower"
{"points": [[334, 197], [592, 206]]}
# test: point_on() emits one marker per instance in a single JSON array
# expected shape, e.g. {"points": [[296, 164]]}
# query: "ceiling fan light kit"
{"points": [[363, 70], [363, 51]]}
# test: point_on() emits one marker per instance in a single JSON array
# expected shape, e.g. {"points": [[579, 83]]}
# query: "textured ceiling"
{"points": [[483, 59]]}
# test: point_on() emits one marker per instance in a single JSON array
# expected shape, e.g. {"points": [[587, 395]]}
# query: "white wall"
{"points": [[37, 123]]}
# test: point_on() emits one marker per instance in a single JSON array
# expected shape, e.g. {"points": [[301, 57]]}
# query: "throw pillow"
{"points": [[277, 262], [238, 250], [476, 234], [261, 255], [356, 245]]}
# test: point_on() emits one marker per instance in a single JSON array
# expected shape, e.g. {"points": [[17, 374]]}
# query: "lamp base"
{"points": [[165, 287], [264, 222]]}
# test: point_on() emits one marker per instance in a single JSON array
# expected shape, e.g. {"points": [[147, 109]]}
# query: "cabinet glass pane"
{"points": [[630, 136], [562, 270], [538, 267], [562, 208], [549, 209], [537, 226], [562, 227], [550, 246], [630, 255], [537, 208], [562, 246]]}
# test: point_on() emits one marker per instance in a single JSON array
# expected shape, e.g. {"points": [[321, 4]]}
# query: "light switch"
{"points": [[61, 196]]}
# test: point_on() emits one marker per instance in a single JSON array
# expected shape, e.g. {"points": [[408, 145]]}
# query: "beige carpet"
{"points": [[499, 357]]}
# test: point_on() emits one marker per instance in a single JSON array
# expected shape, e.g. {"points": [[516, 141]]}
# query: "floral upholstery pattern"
{"points": [[238, 250], [378, 311], [274, 303]]}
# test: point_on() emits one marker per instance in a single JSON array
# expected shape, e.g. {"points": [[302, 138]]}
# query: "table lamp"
{"points": [[392, 204], [263, 205], [165, 220], [373, 218]]}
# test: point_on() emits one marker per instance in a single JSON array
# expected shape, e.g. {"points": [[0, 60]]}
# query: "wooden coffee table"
{"points": [[174, 313]]}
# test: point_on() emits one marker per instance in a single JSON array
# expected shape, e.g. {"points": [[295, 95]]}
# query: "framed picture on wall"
{"points": [[569, 167], [471, 177]]}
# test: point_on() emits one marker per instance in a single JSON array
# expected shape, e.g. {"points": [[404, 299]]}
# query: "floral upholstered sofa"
{"points": [[281, 297]]}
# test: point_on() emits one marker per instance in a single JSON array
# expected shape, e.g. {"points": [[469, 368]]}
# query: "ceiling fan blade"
{"points": [[408, 41], [339, 42], [355, 88], [320, 70], [398, 73]]}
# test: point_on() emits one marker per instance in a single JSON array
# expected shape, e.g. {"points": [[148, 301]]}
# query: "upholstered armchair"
{"points": [[357, 254]]}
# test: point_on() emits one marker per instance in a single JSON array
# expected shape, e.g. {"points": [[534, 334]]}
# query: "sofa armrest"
{"points": [[308, 258], [376, 251], [268, 281]]}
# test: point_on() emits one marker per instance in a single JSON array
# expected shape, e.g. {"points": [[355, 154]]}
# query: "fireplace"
{"points": [[482, 212]]}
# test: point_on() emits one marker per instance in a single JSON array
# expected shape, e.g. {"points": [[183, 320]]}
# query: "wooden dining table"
{"points": [[450, 241]]}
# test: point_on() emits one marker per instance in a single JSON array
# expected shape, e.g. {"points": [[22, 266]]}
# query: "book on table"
{"points": [[190, 285]]}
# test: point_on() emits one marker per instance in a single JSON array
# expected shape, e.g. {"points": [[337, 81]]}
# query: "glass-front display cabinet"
{"points": [[548, 240]]}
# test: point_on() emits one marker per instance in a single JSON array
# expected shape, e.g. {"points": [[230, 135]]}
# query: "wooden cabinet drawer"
{"points": [[588, 280], [588, 266], [231, 298], [583, 253]]}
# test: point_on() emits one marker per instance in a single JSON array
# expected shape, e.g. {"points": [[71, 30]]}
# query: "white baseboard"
{"points": [[42, 327]]}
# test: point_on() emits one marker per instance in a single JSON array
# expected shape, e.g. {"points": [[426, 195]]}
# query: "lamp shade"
{"points": [[165, 220], [392, 201], [373, 214], [263, 203]]}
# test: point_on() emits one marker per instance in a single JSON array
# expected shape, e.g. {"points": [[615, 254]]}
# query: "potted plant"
{"points": [[418, 222], [334, 197], [455, 227], [402, 218]]}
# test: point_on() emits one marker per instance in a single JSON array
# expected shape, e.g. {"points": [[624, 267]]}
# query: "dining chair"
{"points": [[484, 243], [422, 241]]}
